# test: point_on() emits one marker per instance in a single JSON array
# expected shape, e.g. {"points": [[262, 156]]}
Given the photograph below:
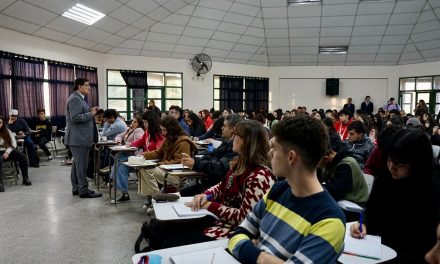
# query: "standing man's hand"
{"points": [[94, 110]]}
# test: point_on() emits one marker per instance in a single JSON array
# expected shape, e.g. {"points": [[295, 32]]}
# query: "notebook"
{"points": [[368, 247], [208, 256], [173, 167], [183, 210]]}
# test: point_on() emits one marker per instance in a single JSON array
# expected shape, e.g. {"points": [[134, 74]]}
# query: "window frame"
{"points": [[432, 104]]}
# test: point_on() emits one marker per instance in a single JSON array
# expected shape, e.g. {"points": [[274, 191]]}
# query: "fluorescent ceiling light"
{"points": [[303, 2], [333, 50], [83, 14]]}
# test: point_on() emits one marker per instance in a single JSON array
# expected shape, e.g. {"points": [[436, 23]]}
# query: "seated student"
{"points": [[151, 140], [8, 151], [196, 126], [215, 132], [359, 145], [433, 256], [215, 164], [134, 132], [45, 132], [341, 175], [176, 112], [176, 142], [248, 179], [341, 126], [207, 120], [21, 129], [113, 124], [403, 205], [297, 221]]}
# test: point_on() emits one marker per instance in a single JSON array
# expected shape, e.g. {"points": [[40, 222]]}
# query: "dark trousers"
{"points": [[41, 142], [172, 234], [18, 156], [79, 169], [30, 148]]}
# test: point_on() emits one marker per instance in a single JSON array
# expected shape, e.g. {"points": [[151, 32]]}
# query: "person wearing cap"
{"points": [[81, 133], [22, 131], [341, 126], [413, 122]]}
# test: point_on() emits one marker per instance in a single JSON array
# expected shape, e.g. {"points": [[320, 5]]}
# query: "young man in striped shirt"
{"points": [[297, 221]]}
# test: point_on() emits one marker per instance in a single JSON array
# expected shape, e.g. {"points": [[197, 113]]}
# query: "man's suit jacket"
{"points": [[367, 108], [349, 108], [80, 123]]}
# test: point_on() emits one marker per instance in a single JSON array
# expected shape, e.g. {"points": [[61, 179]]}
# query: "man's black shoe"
{"points": [[77, 193], [125, 197], [89, 194], [27, 182]]}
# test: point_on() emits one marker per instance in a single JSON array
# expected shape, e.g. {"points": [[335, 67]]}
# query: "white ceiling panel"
{"points": [[338, 21], [398, 29], [395, 40], [167, 28], [339, 10], [273, 3], [187, 49], [385, 63], [375, 8], [203, 23], [331, 58], [5, 3], [336, 32], [198, 32], [409, 6], [66, 25], [358, 63], [94, 34], [52, 34], [255, 32], [80, 42], [426, 16], [18, 25], [124, 51], [387, 57], [128, 32], [430, 53], [187, 10], [231, 28], [174, 5], [218, 44], [277, 42], [304, 42], [103, 6], [201, 42], [274, 12], [114, 40], [369, 31], [216, 52], [57, 6], [218, 4], [372, 20], [109, 24], [410, 56], [427, 26], [29, 13], [155, 53], [434, 3], [429, 35], [237, 61], [246, 48], [304, 22], [275, 23], [238, 19], [160, 46], [141, 36], [409, 47], [240, 55], [278, 51], [276, 33], [126, 14], [258, 57], [143, 23], [161, 37], [404, 19], [251, 40], [391, 48], [304, 50], [176, 19], [334, 41], [304, 32], [132, 44], [430, 44], [244, 9], [209, 13], [304, 11], [182, 56], [305, 58], [144, 7], [279, 58], [159, 13], [101, 48], [226, 36], [363, 49], [361, 57]]}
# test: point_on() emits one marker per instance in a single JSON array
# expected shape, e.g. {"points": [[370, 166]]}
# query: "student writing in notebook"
{"points": [[248, 179], [297, 221], [403, 206]]}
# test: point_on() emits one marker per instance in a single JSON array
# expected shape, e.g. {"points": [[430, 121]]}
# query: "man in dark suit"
{"points": [[367, 106], [81, 133], [349, 106]]}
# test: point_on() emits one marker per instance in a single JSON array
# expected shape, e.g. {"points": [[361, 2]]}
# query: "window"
{"points": [[241, 93], [414, 89], [129, 91]]}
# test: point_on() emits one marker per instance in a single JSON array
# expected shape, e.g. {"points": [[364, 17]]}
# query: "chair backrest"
{"points": [[369, 179], [436, 152]]}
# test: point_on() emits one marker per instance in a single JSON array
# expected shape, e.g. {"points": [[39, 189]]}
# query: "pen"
{"points": [[360, 222], [212, 259], [208, 197]]}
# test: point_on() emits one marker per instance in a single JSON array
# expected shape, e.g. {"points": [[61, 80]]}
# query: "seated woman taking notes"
{"points": [[248, 179], [403, 204]]}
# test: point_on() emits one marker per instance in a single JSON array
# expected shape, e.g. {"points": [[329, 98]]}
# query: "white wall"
{"points": [[198, 93], [311, 93]]}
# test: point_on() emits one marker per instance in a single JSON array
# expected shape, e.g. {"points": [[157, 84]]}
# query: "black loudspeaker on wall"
{"points": [[332, 86]]}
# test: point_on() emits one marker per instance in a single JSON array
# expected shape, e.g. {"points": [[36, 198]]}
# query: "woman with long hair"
{"points": [[196, 126], [8, 152], [207, 120], [176, 142], [247, 180], [403, 205], [427, 123], [151, 139]]}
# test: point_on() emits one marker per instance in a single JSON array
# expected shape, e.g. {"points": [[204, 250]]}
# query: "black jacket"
{"points": [[367, 108]]}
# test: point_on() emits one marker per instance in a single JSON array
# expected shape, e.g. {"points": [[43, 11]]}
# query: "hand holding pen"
{"points": [[358, 231], [200, 201]]}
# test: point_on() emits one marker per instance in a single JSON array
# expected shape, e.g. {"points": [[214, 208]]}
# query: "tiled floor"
{"points": [[44, 223]]}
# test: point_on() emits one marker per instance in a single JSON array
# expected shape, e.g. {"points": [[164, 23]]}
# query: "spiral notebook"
{"points": [[216, 255], [367, 247]]}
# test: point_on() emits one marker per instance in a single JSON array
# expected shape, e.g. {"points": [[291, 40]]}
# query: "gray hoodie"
{"points": [[360, 150]]}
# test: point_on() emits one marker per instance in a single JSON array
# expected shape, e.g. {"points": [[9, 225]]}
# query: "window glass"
{"points": [[115, 78], [173, 79], [424, 83], [117, 91], [173, 93], [216, 94], [154, 93], [407, 84], [216, 82], [119, 105], [155, 79], [169, 103]]}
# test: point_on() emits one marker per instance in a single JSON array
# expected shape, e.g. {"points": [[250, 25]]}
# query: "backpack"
{"points": [[143, 236]]}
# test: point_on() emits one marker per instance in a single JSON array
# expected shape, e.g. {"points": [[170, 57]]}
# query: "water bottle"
{"points": [[210, 147]]}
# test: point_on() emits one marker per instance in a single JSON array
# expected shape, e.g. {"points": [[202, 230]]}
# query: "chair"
{"points": [[353, 207], [369, 179], [10, 171], [53, 141]]}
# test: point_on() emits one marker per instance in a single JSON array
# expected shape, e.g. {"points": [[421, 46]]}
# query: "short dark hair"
{"points": [[304, 134], [345, 112], [216, 114], [110, 113], [177, 108], [78, 82], [392, 99], [357, 126], [41, 110]]}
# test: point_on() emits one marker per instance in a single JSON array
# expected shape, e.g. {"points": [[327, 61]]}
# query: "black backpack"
{"points": [[143, 236]]}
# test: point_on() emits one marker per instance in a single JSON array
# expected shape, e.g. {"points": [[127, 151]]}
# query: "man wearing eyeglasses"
{"points": [[81, 133], [176, 112]]}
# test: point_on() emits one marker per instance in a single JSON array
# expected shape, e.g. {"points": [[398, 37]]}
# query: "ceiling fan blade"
{"points": [[204, 66], [197, 59]]}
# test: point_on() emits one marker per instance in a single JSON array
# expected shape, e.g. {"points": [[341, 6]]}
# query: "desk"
{"points": [[169, 252], [166, 212], [117, 150], [180, 175], [387, 254], [97, 148]]}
